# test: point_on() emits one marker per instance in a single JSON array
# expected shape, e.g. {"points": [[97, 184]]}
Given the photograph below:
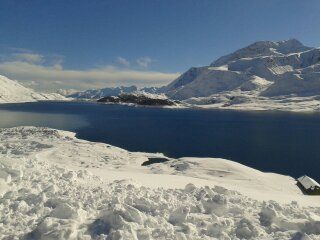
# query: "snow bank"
{"points": [[59, 188]]}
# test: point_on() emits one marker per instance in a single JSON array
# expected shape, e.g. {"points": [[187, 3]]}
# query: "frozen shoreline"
{"points": [[56, 186]]}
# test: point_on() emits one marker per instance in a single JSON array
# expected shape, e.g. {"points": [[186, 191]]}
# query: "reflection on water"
{"points": [[60, 121]]}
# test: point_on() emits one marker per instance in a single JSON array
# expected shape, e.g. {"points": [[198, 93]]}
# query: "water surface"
{"points": [[287, 143]]}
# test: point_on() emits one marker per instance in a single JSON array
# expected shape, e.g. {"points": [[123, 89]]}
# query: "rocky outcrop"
{"points": [[139, 99]]}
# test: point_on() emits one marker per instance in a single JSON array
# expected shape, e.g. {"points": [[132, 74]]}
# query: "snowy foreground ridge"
{"points": [[55, 186]]}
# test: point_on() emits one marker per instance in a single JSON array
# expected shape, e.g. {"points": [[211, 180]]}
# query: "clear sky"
{"points": [[52, 44]]}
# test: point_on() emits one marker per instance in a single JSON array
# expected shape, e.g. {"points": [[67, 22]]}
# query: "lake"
{"points": [[282, 142]]}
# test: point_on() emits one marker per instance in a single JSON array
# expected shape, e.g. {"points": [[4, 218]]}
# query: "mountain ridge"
{"points": [[103, 92], [288, 66]]}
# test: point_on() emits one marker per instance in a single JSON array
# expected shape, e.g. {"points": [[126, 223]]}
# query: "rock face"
{"points": [[263, 68], [13, 92], [139, 99]]}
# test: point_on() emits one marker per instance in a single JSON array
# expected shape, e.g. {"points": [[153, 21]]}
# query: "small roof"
{"points": [[308, 182]]}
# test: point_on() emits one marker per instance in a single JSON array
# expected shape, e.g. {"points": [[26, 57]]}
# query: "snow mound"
{"points": [[60, 187]]}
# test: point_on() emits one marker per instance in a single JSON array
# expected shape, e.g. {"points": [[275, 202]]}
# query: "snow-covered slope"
{"points": [[285, 68], [13, 92], [55, 186]]}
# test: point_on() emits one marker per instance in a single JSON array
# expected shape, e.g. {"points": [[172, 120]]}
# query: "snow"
{"points": [[61, 187], [247, 101], [150, 95], [13, 92]]}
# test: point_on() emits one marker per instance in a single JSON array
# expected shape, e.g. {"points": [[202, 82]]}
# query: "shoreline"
{"points": [[184, 106], [193, 163]]}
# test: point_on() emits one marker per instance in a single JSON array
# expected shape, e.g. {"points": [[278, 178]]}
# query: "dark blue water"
{"points": [[287, 143]]}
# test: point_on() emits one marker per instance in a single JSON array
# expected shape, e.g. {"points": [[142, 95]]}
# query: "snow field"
{"points": [[46, 198]]}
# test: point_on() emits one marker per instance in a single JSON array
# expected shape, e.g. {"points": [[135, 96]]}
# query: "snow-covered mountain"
{"points": [[13, 92], [262, 69]]}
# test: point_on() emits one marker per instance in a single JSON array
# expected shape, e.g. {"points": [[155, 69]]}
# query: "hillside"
{"points": [[262, 72], [13, 92]]}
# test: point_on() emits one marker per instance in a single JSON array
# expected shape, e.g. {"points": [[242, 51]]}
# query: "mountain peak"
{"points": [[290, 41], [291, 46], [263, 48]]}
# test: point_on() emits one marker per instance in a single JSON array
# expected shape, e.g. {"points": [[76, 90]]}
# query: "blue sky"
{"points": [[48, 43]]}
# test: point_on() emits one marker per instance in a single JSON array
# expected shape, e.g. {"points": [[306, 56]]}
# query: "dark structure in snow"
{"points": [[154, 160], [309, 185]]}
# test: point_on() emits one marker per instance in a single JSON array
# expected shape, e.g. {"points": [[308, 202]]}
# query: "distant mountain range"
{"points": [[112, 91], [104, 92], [263, 68]]}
